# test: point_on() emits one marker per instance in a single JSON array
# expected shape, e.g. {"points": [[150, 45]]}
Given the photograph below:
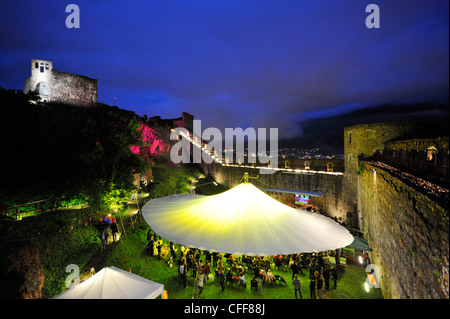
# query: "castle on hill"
{"points": [[55, 86]]}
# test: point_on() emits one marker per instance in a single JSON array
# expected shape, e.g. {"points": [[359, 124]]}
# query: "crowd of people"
{"points": [[229, 269]]}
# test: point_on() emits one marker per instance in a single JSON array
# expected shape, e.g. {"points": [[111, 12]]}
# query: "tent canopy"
{"points": [[114, 283], [359, 244], [242, 221]]}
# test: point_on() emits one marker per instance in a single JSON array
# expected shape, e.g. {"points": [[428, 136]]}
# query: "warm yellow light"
{"points": [[243, 220]]}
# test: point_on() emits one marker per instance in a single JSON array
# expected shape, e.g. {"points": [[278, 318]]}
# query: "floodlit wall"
{"points": [[408, 232], [55, 86], [331, 204]]}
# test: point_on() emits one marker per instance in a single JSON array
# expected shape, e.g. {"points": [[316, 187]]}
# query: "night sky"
{"points": [[237, 63]]}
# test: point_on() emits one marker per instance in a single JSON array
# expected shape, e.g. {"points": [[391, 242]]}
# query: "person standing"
{"points": [[150, 246], [172, 250], [215, 257], [319, 287], [206, 270], [312, 287], [294, 268], [181, 272], [103, 238], [194, 269], [222, 279], [158, 247], [297, 287], [184, 279], [334, 274], [200, 284], [242, 280], [326, 277], [190, 262]]}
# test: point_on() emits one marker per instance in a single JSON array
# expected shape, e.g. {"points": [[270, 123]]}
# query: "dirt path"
{"points": [[97, 261], [99, 258]]}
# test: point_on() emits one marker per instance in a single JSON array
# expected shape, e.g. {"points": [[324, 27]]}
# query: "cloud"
{"points": [[237, 63]]}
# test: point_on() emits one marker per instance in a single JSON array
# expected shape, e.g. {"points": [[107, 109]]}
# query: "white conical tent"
{"points": [[114, 283], [242, 221]]}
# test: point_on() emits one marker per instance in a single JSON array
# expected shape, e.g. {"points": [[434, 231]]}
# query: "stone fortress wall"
{"points": [[54, 86], [329, 185], [404, 218], [408, 232]]}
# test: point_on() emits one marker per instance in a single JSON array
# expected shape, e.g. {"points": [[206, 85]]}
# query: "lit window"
{"points": [[287, 164], [329, 167], [307, 166], [431, 154]]}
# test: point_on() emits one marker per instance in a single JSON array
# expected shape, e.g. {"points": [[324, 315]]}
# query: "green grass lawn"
{"points": [[129, 254]]}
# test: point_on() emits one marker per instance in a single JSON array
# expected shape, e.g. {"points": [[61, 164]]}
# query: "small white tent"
{"points": [[243, 221], [114, 283]]}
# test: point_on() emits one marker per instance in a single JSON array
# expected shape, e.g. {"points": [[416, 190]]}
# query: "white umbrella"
{"points": [[242, 221]]}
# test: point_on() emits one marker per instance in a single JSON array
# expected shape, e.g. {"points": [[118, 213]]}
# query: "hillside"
{"points": [[57, 152]]}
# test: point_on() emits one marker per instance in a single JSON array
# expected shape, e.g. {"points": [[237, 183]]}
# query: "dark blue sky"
{"points": [[236, 63]]}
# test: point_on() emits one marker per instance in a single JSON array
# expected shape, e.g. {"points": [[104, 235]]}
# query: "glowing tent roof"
{"points": [[242, 221], [114, 283]]}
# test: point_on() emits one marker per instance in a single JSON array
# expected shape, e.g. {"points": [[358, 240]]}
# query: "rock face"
{"points": [[21, 276]]}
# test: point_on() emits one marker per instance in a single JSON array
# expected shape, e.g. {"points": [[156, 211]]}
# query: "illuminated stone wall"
{"points": [[55, 86], [331, 204], [316, 164], [408, 232], [427, 158], [73, 89], [362, 142]]}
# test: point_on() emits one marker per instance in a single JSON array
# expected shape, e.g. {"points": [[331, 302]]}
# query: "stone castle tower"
{"points": [[389, 179], [55, 86]]}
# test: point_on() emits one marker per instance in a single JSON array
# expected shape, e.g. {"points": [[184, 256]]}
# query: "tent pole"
{"points": [[123, 227], [132, 224], [139, 209], [195, 285], [260, 286], [148, 263]]}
